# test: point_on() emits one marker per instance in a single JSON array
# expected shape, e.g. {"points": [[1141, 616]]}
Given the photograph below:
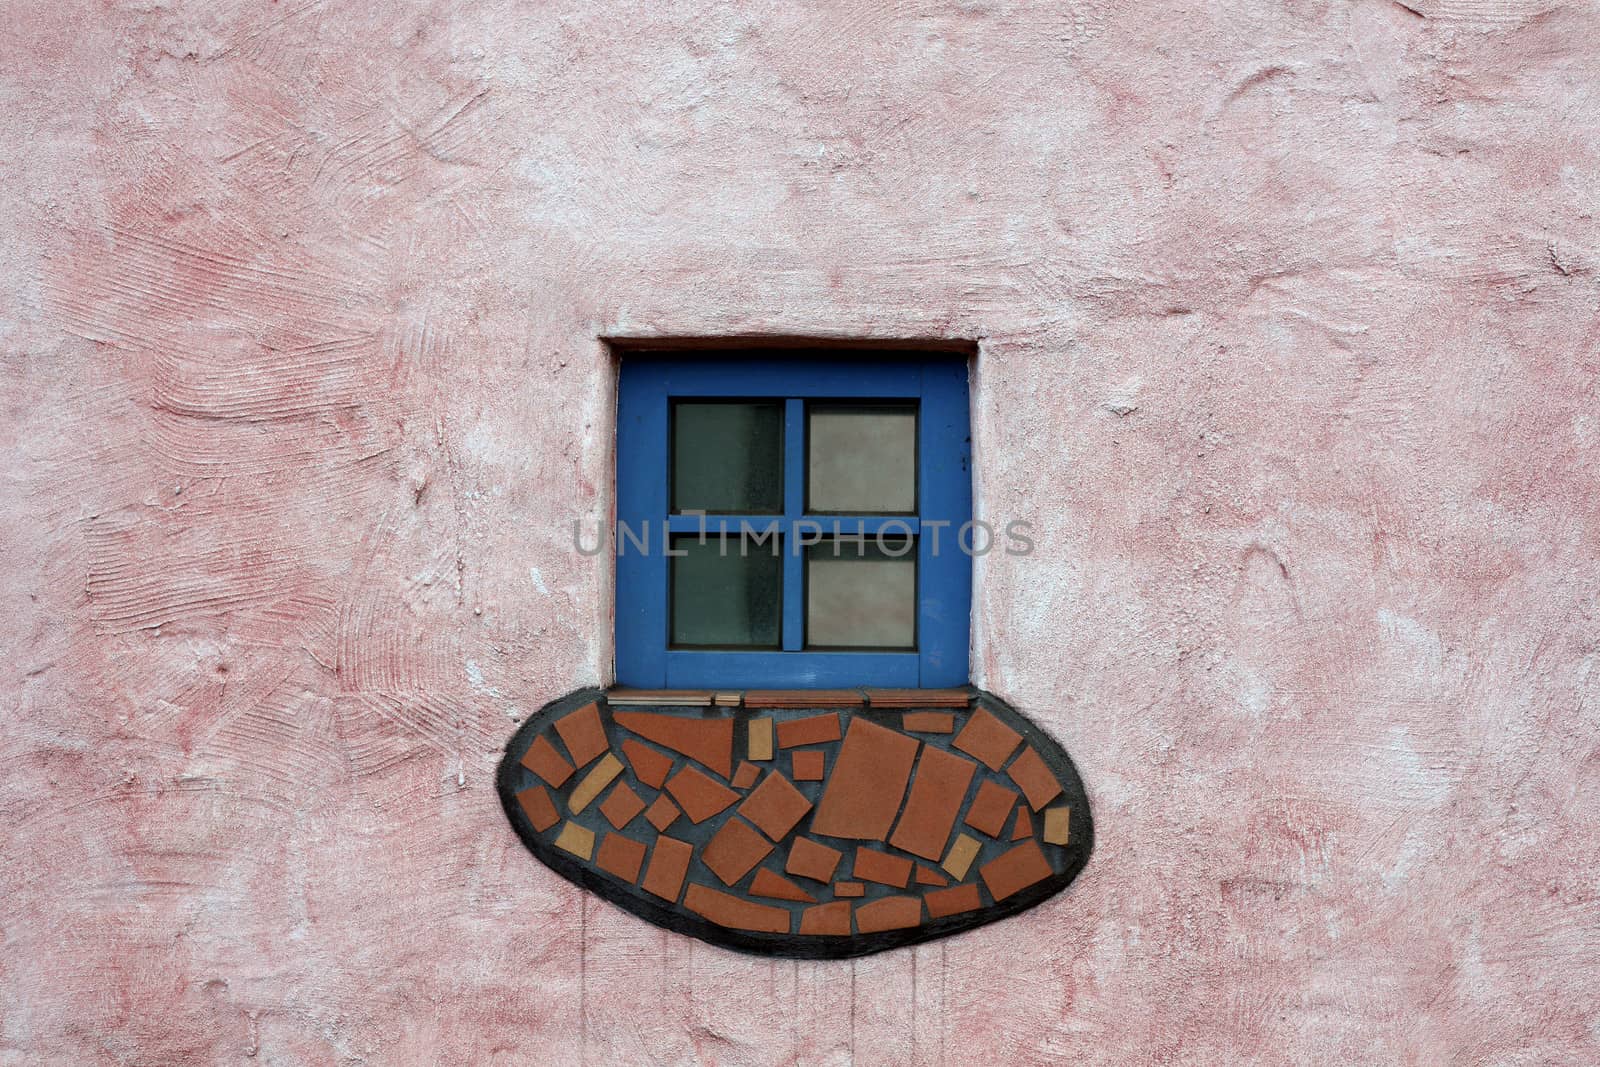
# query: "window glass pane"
{"points": [[726, 593], [727, 457], [862, 457], [865, 596]]}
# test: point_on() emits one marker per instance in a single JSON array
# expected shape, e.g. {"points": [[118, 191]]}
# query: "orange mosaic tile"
{"points": [[888, 913], [746, 775], [771, 884], [1023, 827], [621, 806], [816, 730], [621, 856], [734, 850], [827, 920], [669, 863], [735, 912], [707, 740], [953, 901], [810, 859], [662, 812], [937, 790], [928, 876], [869, 777], [991, 807], [808, 764], [988, 739], [1034, 778], [849, 889], [928, 722], [538, 807], [870, 865], [775, 806], [543, 759], [583, 735], [698, 795], [649, 766], [1015, 870]]}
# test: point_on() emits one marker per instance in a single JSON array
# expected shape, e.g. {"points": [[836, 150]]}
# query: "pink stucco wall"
{"points": [[1289, 349]]}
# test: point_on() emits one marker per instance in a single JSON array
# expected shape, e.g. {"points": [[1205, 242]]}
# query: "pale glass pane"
{"points": [[722, 598], [862, 458], [863, 597], [727, 457]]}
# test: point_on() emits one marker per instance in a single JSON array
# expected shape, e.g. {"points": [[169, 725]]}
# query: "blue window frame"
{"points": [[937, 389]]}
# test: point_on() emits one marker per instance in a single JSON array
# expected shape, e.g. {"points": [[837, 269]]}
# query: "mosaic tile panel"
{"points": [[817, 824]]}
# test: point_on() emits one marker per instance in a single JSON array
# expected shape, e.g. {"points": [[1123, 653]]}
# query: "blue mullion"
{"points": [[794, 502], [849, 525]]}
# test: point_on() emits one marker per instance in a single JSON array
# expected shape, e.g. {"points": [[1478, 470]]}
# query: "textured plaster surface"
{"points": [[1289, 350]]}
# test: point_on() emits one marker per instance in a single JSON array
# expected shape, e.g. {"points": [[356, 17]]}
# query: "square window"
{"points": [[727, 457], [861, 458], [861, 593], [726, 593]]}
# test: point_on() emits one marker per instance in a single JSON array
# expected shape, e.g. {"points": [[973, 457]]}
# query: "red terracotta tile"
{"points": [[583, 735], [988, 739], [990, 808], [810, 764], [888, 913], [803, 698], [1023, 827], [918, 698], [539, 809], [699, 796], [869, 778], [828, 920], [735, 912], [1015, 870], [651, 767], [669, 862], [813, 730], [775, 806], [708, 740], [954, 901], [1035, 779], [543, 759], [929, 722], [662, 813], [928, 876], [621, 856], [870, 865], [746, 775], [771, 884], [621, 806], [811, 859], [848, 889], [733, 850], [937, 790]]}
